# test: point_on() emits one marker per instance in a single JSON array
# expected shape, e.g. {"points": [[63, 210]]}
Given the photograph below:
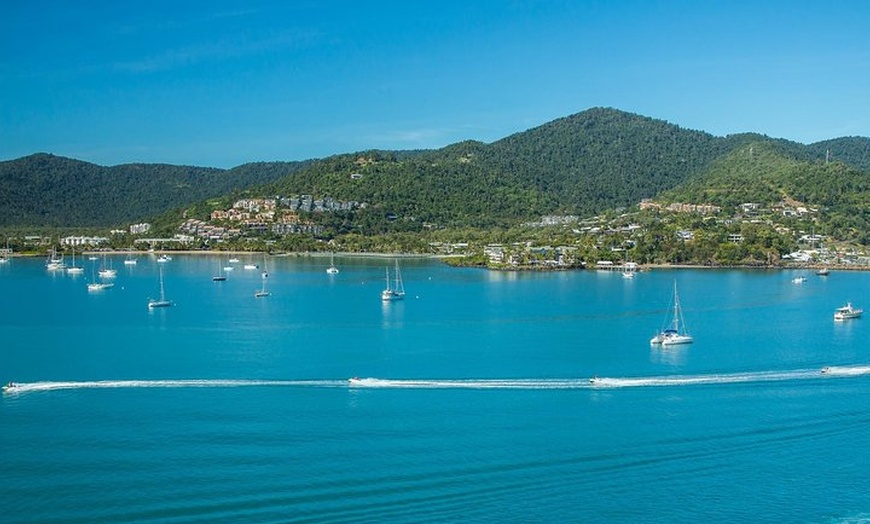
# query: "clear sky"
{"points": [[221, 82]]}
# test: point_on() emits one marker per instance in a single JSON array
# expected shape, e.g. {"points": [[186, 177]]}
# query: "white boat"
{"points": [[397, 291], [164, 258], [106, 271], [55, 261], [161, 302], [847, 312], [264, 276], [799, 280], [234, 260], [332, 270], [823, 272], [99, 286], [74, 269], [10, 387], [677, 333], [130, 261]]}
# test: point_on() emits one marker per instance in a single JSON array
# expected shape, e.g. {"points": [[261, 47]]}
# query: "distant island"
{"points": [[600, 185]]}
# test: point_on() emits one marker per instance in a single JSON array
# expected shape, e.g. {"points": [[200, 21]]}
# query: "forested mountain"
{"points": [[53, 191], [583, 164]]}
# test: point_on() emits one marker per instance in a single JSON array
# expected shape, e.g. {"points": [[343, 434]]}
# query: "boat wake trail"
{"points": [[826, 373], [30, 387]]}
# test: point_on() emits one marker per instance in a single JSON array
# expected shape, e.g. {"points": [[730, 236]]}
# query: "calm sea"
{"points": [[475, 403]]}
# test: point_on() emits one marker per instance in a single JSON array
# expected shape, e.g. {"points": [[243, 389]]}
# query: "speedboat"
{"points": [[799, 280], [595, 380], [846, 312], [354, 381], [825, 370], [10, 386]]}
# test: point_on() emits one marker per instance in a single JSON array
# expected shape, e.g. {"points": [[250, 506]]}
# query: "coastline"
{"points": [[324, 254]]}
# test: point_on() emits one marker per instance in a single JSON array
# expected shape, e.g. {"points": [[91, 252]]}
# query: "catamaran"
{"points": [[677, 333], [397, 291]]}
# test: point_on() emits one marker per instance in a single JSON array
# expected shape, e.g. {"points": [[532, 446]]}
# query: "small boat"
{"points": [[233, 260], [847, 312], [264, 276], [397, 291], [130, 261], [161, 302], [676, 334], [332, 270], [55, 261], [799, 280], [823, 272], [220, 277], [164, 258], [10, 386], [825, 370], [355, 382], [99, 286], [74, 269], [595, 381]]}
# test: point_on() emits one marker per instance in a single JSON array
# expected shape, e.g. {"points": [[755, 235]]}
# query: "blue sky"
{"points": [[221, 83]]}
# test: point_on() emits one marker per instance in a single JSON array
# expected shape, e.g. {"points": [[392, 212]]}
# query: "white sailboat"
{"points": [[106, 271], [397, 291], [677, 333], [332, 270], [55, 261], [264, 276], [130, 260], [94, 284], [161, 302], [74, 269]]}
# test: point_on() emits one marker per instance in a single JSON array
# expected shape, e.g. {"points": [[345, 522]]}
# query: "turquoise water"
{"points": [[474, 403]]}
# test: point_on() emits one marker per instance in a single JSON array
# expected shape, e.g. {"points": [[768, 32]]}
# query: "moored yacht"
{"points": [[847, 312], [676, 334]]}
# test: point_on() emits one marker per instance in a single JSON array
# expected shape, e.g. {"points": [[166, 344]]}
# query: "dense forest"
{"points": [[584, 164], [44, 190]]}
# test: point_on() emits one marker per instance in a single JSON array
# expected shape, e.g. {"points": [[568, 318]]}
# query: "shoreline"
{"points": [[323, 254]]}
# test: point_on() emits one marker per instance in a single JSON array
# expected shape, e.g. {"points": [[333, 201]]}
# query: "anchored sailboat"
{"points": [[332, 270], [161, 302], [397, 291], [677, 333]]}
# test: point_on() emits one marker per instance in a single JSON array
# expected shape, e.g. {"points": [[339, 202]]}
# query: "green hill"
{"points": [[51, 191], [597, 160]]}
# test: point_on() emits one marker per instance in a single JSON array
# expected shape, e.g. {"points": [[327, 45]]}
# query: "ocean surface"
{"points": [[474, 402]]}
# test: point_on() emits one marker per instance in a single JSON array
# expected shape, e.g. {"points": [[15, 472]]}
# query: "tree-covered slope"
{"points": [[48, 190]]}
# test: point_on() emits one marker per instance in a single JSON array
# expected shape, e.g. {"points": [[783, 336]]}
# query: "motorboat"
{"points": [[10, 386], [825, 370], [798, 280], [847, 312]]}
